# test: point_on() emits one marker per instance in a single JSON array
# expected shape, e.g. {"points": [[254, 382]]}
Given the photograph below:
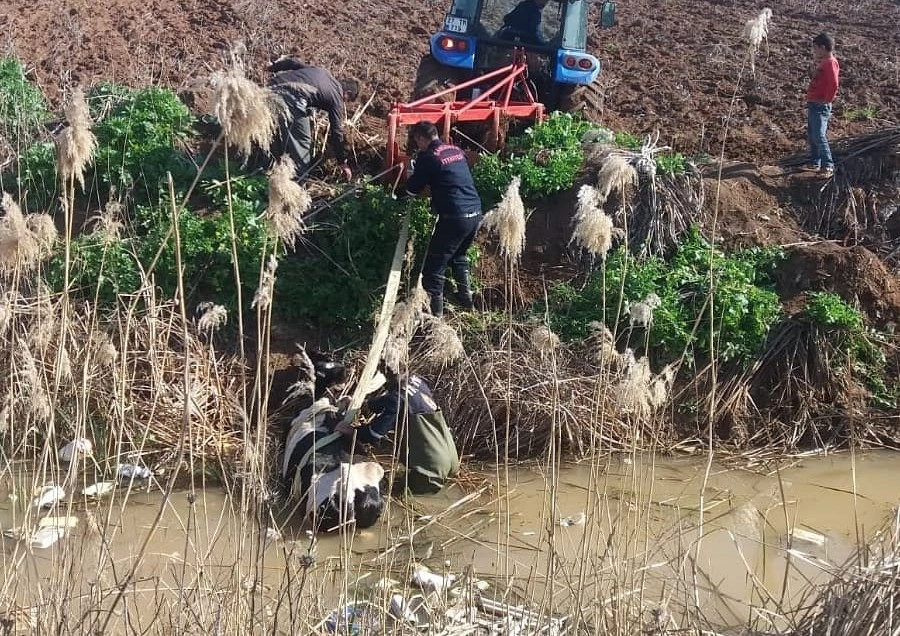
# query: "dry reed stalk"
{"points": [[288, 202], [75, 144], [248, 113], [507, 221], [266, 289], [510, 380], [863, 596]]}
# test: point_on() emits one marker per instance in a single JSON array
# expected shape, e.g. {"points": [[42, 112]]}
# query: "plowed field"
{"points": [[669, 64]]}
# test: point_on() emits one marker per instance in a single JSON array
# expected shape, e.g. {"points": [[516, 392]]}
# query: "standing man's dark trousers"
{"points": [[294, 136], [451, 240]]}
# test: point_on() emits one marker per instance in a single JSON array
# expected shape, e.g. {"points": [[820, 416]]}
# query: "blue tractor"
{"points": [[479, 36]]}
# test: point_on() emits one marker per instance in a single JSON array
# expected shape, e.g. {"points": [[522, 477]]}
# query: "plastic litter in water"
{"points": [[427, 580], [353, 619], [406, 611], [131, 471], [576, 520], [48, 496], [46, 537], [58, 522], [99, 489], [78, 447]]}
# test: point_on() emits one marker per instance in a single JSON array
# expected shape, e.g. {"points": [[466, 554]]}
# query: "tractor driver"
{"points": [[302, 88], [455, 201], [524, 22]]}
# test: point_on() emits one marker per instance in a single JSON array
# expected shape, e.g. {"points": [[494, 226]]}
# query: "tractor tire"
{"points": [[433, 77], [587, 100]]}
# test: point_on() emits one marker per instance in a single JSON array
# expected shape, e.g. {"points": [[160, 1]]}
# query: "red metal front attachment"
{"points": [[490, 107]]}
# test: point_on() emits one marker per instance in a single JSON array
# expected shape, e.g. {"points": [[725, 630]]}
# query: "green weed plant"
{"points": [[744, 309]]}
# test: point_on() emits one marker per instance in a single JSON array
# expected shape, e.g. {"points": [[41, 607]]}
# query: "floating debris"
{"points": [[576, 520], [354, 618], [58, 522], [99, 489], [131, 471], [80, 446], [46, 537], [409, 612], [814, 538], [427, 580], [48, 496], [272, 536]]}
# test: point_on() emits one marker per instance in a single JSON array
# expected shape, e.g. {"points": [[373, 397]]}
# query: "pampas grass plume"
{"points": [[594, 230], [616, 174], [212, 317], [288, 202], [442, 344], [507, 221], [246, 111], [756, 31], [44, 230], [18, 245], [75, 144], [266, 289], [544, 340]]}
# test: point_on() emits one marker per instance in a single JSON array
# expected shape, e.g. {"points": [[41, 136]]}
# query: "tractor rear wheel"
{"points": [[587, 100], [433, 77]]}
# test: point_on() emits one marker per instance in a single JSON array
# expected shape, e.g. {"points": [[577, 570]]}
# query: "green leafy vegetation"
{"points": [[861, 113], [859, 348], [547, 158], [629, 141], [678, 294], [137, 132], [107, 265], [336, 278], [671, 164], [23, 109]]}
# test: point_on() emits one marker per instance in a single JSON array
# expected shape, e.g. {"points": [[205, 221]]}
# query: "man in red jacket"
{"points": [[819, 96]]}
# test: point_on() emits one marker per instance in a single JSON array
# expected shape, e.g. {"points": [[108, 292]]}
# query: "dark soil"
{"points": [[672, 66]]}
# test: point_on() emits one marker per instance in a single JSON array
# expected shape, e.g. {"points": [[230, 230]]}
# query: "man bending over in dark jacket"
{"points": [[303, 88]]}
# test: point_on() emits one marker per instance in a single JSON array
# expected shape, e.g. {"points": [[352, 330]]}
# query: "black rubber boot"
{"points": [[463, 294], [437, 305]]}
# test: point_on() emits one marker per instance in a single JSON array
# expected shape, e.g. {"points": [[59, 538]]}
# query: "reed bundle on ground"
{"points": [[864, 192], [802, 392], [653, 209], [581, 398]]}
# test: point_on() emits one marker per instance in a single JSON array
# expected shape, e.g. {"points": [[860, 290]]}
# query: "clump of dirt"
{"points": [[750, 208], [854, 273]]}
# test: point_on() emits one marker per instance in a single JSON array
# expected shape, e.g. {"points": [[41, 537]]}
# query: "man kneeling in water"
{"points": [[424, 442]]}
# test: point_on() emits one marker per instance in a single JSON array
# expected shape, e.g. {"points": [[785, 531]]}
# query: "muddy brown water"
{"points": [[625, 534]]}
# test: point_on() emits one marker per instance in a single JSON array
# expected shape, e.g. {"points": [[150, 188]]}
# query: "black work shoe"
{"points": [[463, 300]]}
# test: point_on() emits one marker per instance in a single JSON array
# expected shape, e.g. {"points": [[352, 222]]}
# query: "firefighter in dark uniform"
{"points": [[454, 199], [302, 88]]}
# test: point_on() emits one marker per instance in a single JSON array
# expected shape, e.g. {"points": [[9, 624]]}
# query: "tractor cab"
{"points": [[481, 35]]}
